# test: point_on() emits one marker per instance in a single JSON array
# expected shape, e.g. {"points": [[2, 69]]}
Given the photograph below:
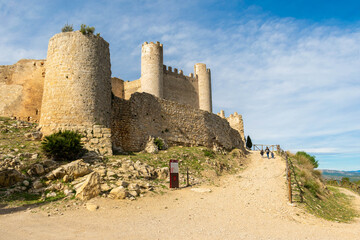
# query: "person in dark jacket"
{"points": [[267, 150]]}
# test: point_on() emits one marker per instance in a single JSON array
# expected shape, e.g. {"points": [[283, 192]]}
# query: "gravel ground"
{"points": [[250, 205]]}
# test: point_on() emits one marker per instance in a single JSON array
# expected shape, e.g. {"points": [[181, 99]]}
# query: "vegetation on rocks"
{"points": [[86, 30], [322, 201], [67, 28], [30, 177], [63, 145]]}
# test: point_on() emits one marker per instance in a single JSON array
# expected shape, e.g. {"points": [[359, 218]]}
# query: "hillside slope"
{"points": [[250, 205]]}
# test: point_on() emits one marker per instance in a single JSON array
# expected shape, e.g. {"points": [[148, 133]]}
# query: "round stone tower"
{"points": [[77, 86], [152, 68], [204, 82]]}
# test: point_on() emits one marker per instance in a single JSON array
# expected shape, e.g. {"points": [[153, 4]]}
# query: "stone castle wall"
{"points": [[117, 87], [124, 89], [160, 81], [21, 89], [236, 122], [180, 88], [72, 90], [144, 115], [77, 86]]}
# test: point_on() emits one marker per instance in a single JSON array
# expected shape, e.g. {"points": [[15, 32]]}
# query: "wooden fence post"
{"points": [[187, 177], [288, 177]]}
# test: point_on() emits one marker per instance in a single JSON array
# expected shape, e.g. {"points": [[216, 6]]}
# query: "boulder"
{"points": [[118, 193], [56, 174], [92, 207], [77, 168], [34, 135], [90, 188], [162, 173], [37, 184], [38, 169], [150, 146], [9, 177], [74, 170], [122, 183]]}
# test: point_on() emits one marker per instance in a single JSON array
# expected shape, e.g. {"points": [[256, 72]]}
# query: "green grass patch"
{"points": [[195, 159], [23, 198], [336, 206]]}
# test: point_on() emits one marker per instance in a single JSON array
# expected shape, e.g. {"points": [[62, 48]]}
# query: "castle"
{"points": [[73, 89]]}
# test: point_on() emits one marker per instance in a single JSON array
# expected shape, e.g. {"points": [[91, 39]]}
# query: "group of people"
{"points": [[268, 152]]}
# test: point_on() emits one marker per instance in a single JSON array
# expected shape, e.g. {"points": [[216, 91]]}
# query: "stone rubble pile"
{"points": [[84, 178]]}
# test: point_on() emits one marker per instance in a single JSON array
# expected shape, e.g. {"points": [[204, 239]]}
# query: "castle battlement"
{"points": [[152, 43]]}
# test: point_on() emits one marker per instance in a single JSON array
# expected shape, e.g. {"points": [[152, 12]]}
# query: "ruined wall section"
{"points": [[117, 87], [77, 88], [132, 87], [236, 122], [124, 89], [180, 88], [144, 115], [21, 89]]}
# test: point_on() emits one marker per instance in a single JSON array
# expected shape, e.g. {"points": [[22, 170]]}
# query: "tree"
{"points": [[248, 142]]}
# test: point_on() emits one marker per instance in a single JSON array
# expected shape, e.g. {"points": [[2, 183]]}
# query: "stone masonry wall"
{"points": [[77, 87], [117, 87], [144, 115], [180, 88], [131, 87], [21, 89], [236, 122]]}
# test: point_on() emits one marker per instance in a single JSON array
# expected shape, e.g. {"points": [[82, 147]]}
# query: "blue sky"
{"points": [[291, 68]]}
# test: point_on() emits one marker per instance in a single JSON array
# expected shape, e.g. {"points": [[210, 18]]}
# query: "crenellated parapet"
{"points": [[236, 121]]}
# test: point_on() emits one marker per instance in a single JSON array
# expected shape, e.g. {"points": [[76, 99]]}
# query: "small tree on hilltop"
{"points": [[86, 30], [67, 28], [248, 142]]}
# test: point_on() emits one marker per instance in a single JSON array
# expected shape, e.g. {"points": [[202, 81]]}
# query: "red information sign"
{"points": [[174, 173]]}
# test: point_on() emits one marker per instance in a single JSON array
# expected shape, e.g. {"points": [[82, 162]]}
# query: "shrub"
{"points": [[86, 30], [159, 143], [67, 28], [63, 145], [310, 158]]}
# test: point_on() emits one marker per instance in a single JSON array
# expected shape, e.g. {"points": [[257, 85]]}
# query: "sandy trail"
{"points": [[250, 205]]}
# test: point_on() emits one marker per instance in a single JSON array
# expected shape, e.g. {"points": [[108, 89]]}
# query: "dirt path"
{"points": [[251, 205]]}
